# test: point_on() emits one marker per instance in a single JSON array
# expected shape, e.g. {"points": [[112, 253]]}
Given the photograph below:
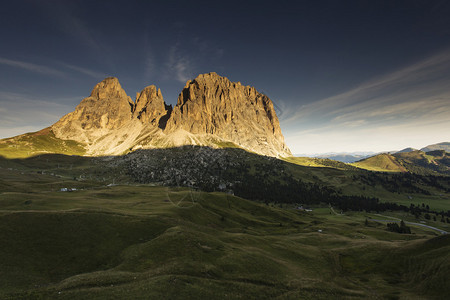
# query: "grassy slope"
{"points": [[418, 162], [440, 146], [85, 169], [143, 242], [421, 162], [148, 242], [35, 143], [318, 162], [381, 162]]}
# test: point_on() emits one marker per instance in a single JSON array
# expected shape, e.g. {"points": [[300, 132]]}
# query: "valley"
{"points": [[225, 150], [103, 227], [139, 199]]}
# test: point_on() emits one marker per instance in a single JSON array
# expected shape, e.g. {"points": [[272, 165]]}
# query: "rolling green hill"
{"points": [[40, 142], [318, 162], [419, 162], [123, 230], [146, 242], [440, 146], [382, 162]]}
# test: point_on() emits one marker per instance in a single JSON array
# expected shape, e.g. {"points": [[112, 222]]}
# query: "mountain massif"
{"points": [[211, 111]]}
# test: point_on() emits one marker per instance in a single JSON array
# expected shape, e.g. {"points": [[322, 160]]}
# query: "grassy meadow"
{"points": [[115, 239]]}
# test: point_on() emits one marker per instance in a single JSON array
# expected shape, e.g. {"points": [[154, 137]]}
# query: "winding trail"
{"points": [[397, 220], [411, 223]]}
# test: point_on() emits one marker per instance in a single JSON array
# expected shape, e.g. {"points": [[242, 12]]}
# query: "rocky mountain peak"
{"points": [[212, 104], [107, 108], [150, 107], [211, 111], [108, 88]]}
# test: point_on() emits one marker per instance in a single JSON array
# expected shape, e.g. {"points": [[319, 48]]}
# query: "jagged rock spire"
{"points": [[210, 107]]}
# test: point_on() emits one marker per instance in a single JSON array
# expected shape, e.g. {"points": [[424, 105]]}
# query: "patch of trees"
{"points": [[423, 167], [402, 228], [334, 164], [418, 210], [405, 182], [295, 191], [266, 179]]}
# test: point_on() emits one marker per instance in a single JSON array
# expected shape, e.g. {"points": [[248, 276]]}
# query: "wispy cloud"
{"points": [[46, 70], [31, 67], [150, 66], [67, 18], [178, 65], [426, 79], [64, 13], [20, 113], [409, 99], [85, 71]]}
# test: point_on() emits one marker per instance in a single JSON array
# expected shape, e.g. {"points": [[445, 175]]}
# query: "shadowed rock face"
{"points": [[210, 107], [150, 107]]}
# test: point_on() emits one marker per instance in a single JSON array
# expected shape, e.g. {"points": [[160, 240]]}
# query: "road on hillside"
{"points": [[412, 223], [393, 219]]}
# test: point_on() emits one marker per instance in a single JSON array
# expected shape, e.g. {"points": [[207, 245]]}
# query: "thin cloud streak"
{"points": [[378, 139], [64, 14], [149, 62], [427, 77], [409, 99], [19, 109], [48, 70], [179, 66], [85, 71], [31, 67]]}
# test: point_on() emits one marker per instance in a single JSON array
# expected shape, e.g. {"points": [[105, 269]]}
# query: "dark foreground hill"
{"points": [[141, 242], [74, 227]]}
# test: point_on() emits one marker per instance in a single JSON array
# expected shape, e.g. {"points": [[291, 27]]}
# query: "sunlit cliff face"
{"points": [[211, 111]]}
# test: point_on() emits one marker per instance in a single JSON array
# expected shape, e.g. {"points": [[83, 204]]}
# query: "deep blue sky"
{"points": [[344, 75]]}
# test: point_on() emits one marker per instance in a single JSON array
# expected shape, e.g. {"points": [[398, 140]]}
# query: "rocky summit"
{"points": [[211, 104], [211, 111]]}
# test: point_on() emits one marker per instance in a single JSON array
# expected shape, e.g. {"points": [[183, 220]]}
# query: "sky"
{"points": [[344, 76]]}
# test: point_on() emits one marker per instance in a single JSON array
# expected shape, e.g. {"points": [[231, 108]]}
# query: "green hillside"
{"points": [[382, 162], [74, 227], [429, 162], [145, 242], [36, 143], [419, 162], [318, 162], [440, 146]]}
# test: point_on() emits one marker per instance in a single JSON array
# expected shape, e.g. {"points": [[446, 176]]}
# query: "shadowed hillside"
{"points": [[105, 227], [151, 242]]}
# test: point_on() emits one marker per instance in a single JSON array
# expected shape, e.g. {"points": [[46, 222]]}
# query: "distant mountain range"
{"points": [[441, 146], [351, 157], [406, 150], [345, 157]]}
